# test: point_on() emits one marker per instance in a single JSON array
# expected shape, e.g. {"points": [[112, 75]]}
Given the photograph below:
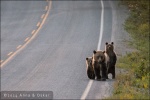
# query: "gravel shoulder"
{"points": [[119, 35]]}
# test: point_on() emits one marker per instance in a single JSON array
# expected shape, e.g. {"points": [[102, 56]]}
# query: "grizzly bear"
{"points": [[89, 68], [109, 52], [99, 65]]}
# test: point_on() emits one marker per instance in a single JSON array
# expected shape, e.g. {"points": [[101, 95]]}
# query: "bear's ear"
{"points": [[94, 51], [86, 58], [112, 43], [106, 43], [103, 51]]}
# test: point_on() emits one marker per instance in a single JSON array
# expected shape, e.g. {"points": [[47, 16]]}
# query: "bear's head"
{"points": [[109, 47], [98, 56], [89, 61]]}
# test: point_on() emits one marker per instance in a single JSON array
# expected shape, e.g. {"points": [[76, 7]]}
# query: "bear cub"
{"points": [[109, 50], [89, 68]]}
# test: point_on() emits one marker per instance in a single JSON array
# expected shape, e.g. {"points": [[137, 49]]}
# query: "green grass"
{"points": [[135, 83], [124, 89]]}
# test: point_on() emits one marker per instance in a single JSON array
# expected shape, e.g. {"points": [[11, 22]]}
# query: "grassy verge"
{"points": [[135, 83]]}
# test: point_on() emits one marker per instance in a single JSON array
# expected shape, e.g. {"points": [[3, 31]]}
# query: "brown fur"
{"points": [[109, 49], [98, 63], [89, 68]]}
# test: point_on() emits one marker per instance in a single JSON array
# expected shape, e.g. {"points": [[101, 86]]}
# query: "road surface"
{"points": [[44, 46]]}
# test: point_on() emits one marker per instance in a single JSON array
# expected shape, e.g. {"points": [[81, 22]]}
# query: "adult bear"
{"points": [[89, 68], [109, 52], [99, 65]]}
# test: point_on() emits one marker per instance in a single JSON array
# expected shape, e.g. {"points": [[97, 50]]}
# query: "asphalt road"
{"points": [[54, 60]]}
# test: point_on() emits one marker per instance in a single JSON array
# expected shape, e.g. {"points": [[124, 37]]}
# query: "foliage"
{"points": [[125, 88], [138, 22], [135, 83]]}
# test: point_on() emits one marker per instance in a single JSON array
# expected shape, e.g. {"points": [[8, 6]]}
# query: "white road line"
{"points": [[1, 61], [33, 36], [9, 53], [46, 7], [101, 27], [33, 32], [85, 93], [42, 16], [27, 39], [19, 46], [38, 24]]}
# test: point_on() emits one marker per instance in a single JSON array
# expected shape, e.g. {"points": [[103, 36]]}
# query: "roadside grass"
{"points": [[134, 84], [125, 90]]}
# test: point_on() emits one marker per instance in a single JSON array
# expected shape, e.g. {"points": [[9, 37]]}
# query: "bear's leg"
{"points": [[107, 74], [104, 72], [90, 74], [97, 72], [93, 74], [113, 72], [107, 70]]}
